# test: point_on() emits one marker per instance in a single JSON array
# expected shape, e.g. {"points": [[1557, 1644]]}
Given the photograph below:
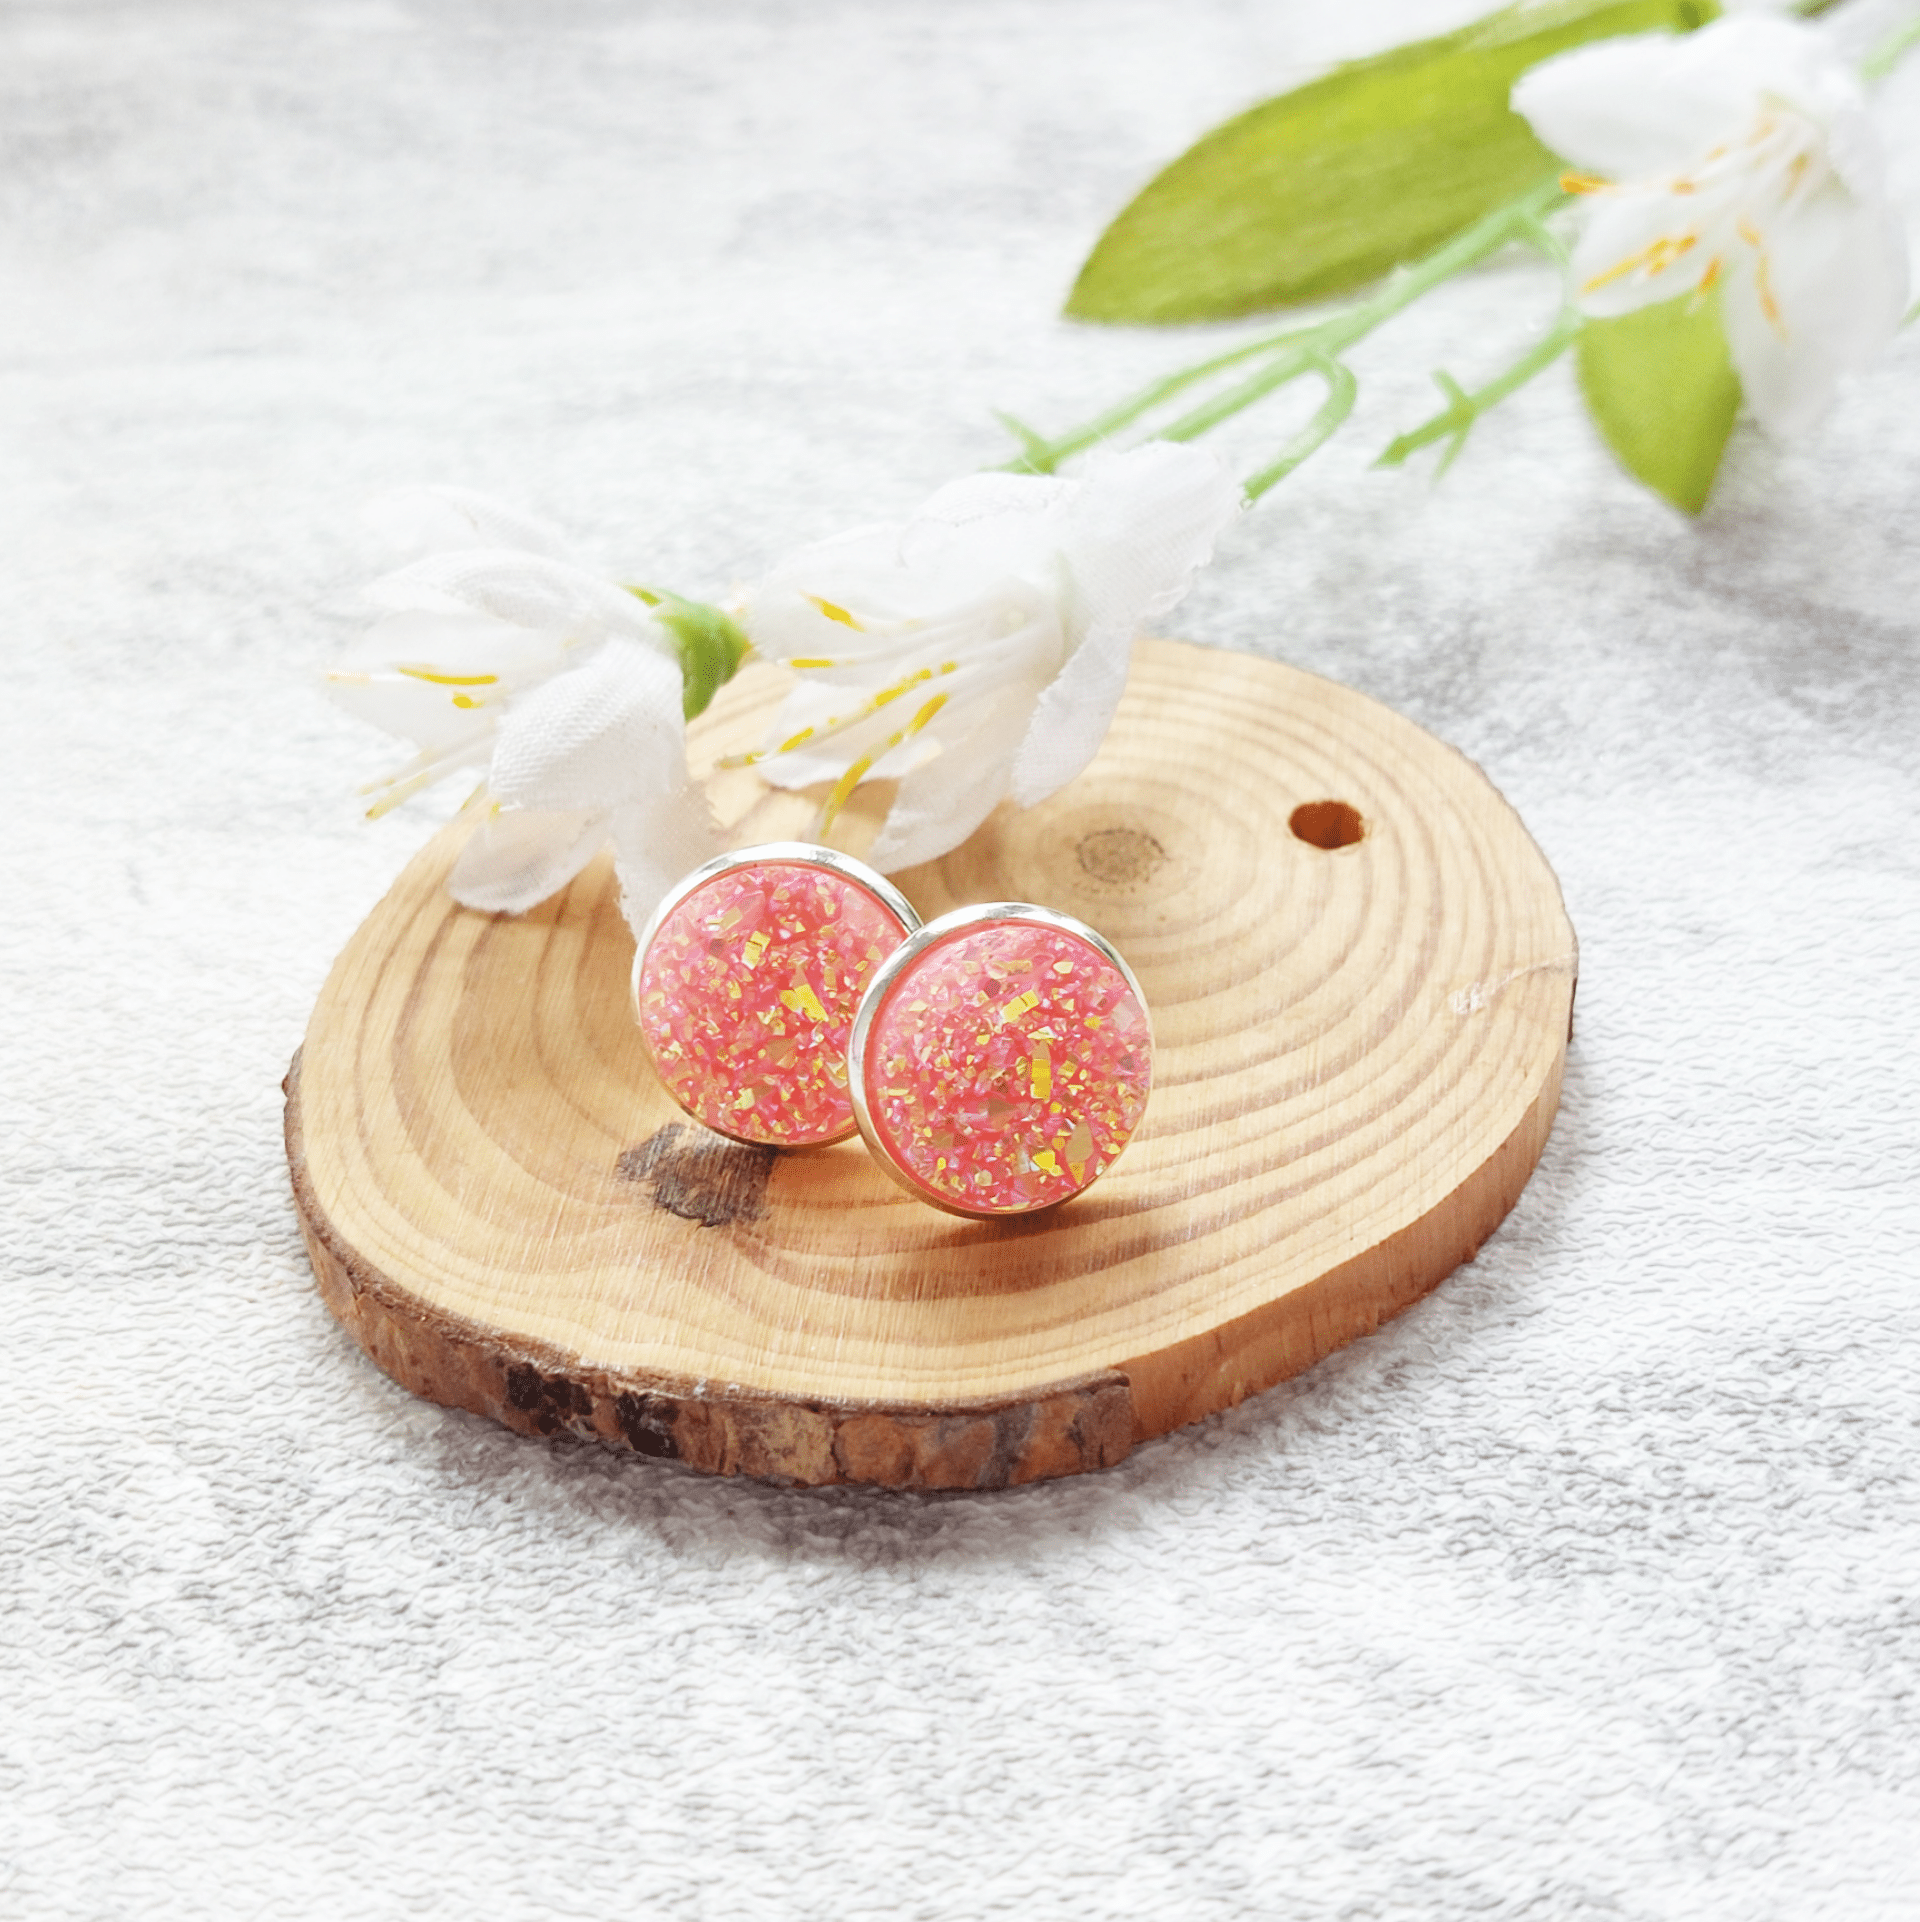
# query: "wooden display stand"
{"points": [[1360, 975]]}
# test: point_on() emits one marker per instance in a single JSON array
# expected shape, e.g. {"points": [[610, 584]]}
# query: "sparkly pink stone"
{"points": [[1007, 1067], [747, 994]]}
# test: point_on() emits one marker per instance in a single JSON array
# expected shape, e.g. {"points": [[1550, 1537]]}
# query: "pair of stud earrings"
{"points": [[996, 1060]]}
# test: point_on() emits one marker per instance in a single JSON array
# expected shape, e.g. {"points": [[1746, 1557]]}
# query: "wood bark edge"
{"points": [[1065, 1429]]}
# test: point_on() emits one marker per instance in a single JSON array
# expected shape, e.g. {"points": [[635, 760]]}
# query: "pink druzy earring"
{"points": [[1000, 1060], [746, 984]]}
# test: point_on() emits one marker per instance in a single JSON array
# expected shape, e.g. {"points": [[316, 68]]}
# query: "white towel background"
{"points": [[1590, 1589]]}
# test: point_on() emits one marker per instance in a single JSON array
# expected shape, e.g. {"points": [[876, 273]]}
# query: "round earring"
{"points": [[746, 983], [1000, 1060]]}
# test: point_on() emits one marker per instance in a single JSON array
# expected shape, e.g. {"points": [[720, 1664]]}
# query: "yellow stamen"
{"points": [[422, 771], [445, 680], [927, 711], [1762, 276], [1583, 184], [834, 613], [843, 790], [838, 724], [1656, 258], [402, 791], [804, 661]]}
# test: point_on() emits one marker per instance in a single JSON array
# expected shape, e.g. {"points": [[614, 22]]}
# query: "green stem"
{"points": [[1202, 419], [1890, 52], [1043, 456], [1342, 391], [1298, 351], [1456, 420]]}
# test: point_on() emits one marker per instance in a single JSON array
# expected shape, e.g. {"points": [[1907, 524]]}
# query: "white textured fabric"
{"points": [[1584, 1592]]}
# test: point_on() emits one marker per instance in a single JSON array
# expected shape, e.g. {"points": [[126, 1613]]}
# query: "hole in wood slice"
{"points": [[1356, 1064], [1327, 824]]}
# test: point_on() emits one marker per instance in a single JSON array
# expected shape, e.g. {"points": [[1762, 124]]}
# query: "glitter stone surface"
{"points": [[1007, 1067], [748, 992]]}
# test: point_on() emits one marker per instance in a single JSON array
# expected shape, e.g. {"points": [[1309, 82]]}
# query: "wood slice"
{"points": [[1361, 977]]}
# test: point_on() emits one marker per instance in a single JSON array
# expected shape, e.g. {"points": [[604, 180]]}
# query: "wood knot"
{"points": [[1121, 857], [707, 1179]]}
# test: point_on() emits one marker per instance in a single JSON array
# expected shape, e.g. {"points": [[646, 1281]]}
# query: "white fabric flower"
{"points": [[980, 648], [1739, 156], [501, 654]]}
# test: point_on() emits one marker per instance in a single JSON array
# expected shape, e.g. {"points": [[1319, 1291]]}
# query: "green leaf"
{"points": [[1663, 393], [1328, 187]]}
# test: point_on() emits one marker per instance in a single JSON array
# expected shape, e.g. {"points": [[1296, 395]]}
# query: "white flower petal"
{"points": [[928, 647], [602, 735], [940, 714], [1749, 160], [1643, 104], [656, 843], [411, 709], [1071, 718], [814, 706], [455, 644], [1139, 526], [524, 590], [926, 685], [941, 803], [986, 497], [969, 536], [519, 856], [984, 527], [438, 678], [1822, 299], [1641, 245], [1853, 151], [429, 520], [790, 622], [1657, 103]]}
